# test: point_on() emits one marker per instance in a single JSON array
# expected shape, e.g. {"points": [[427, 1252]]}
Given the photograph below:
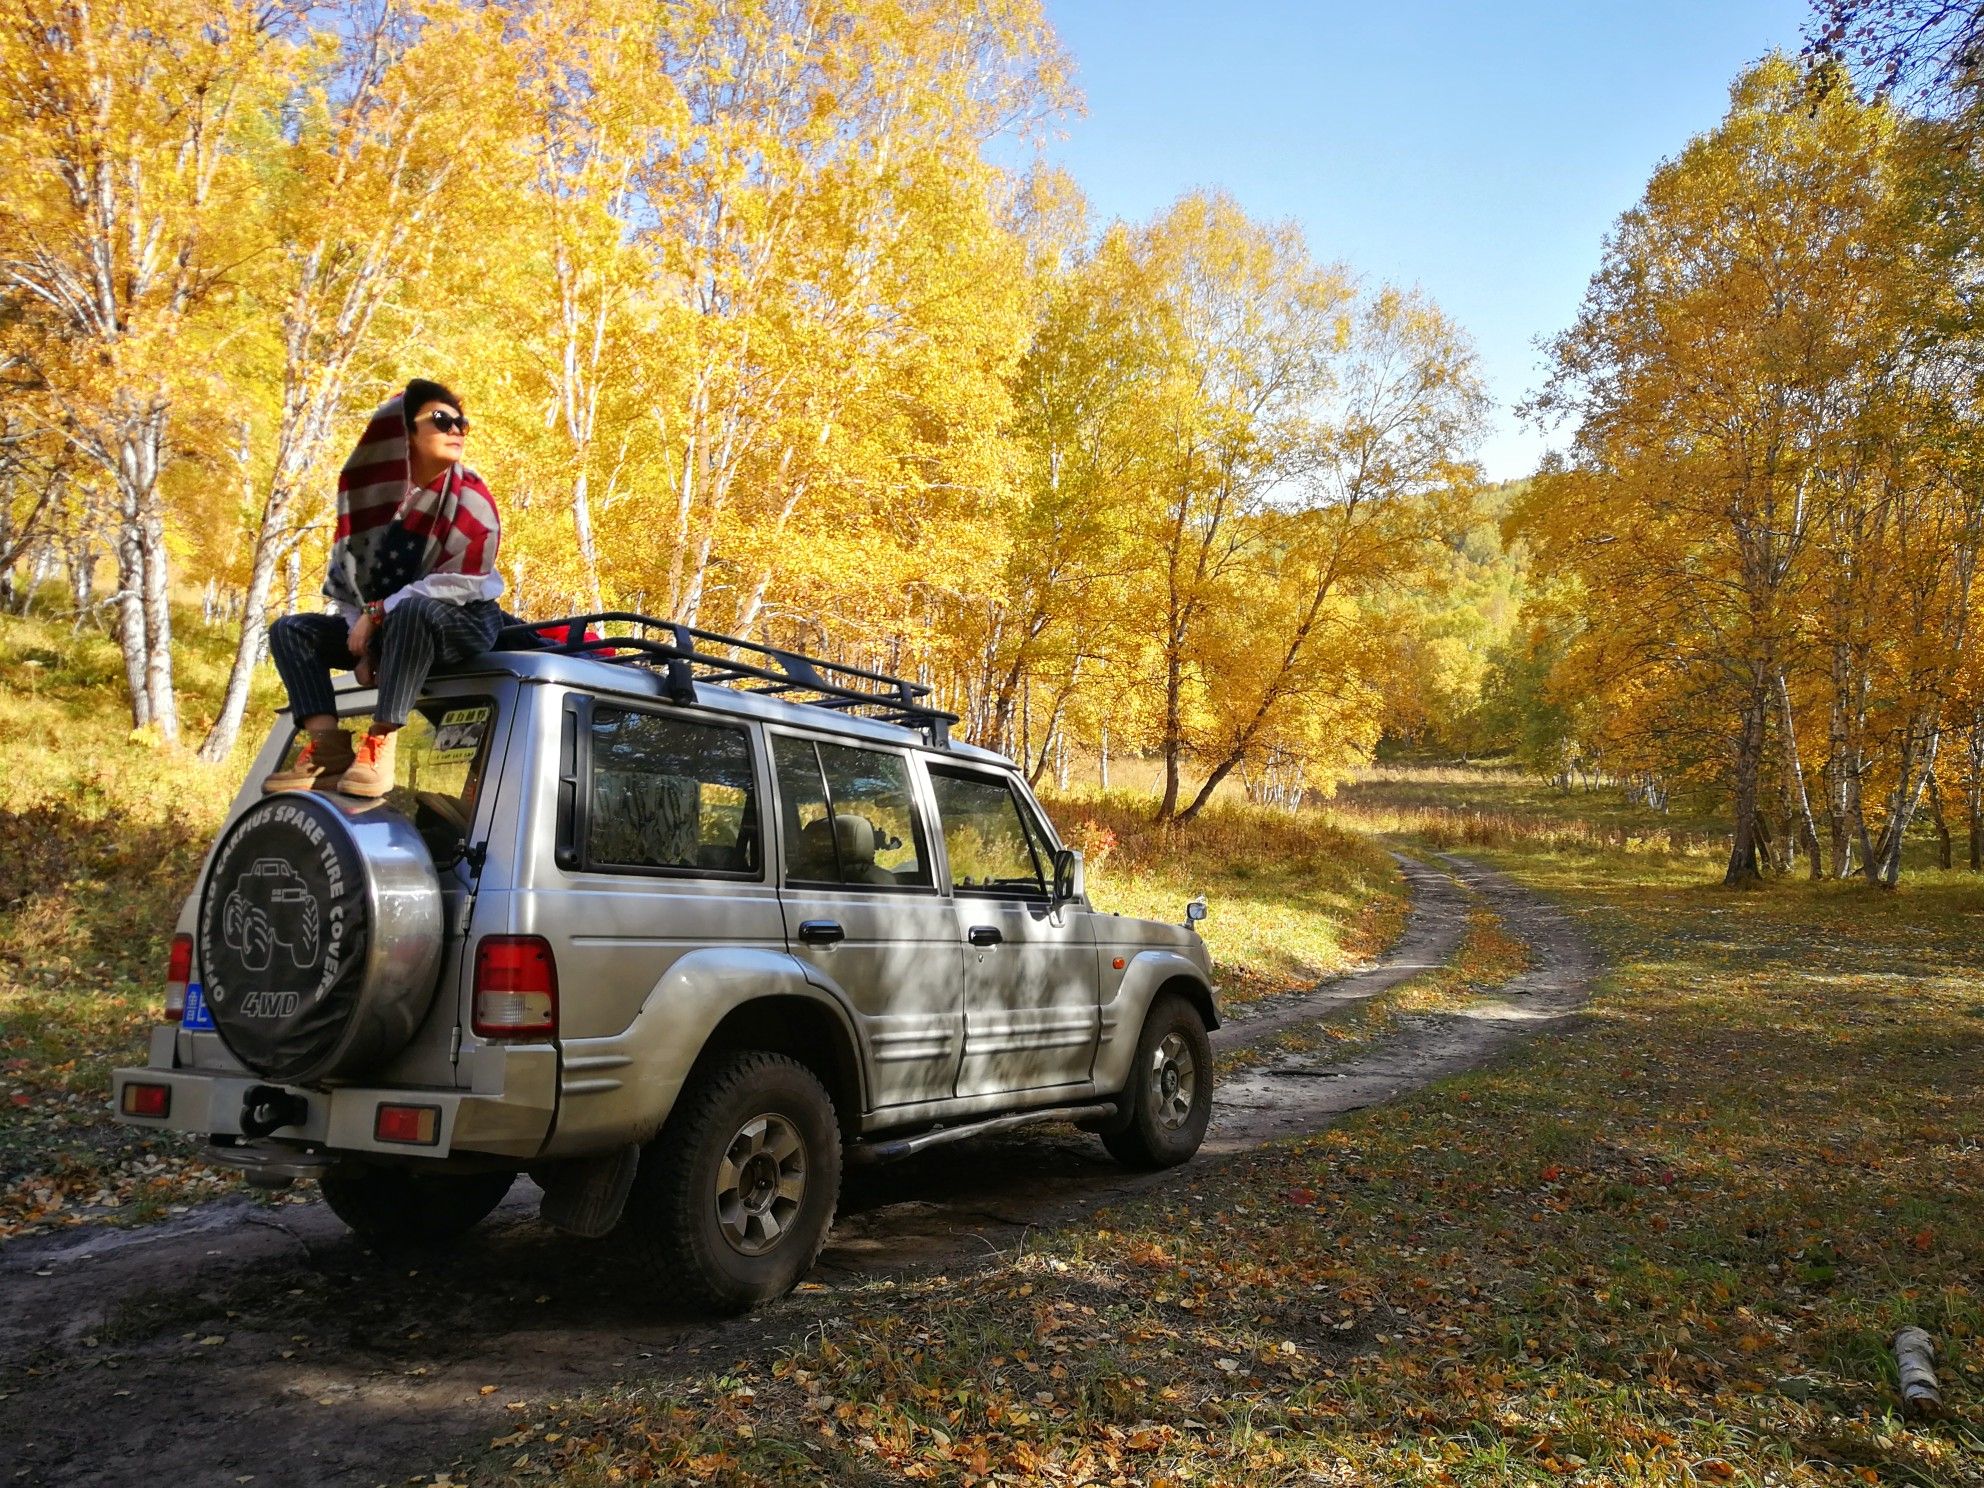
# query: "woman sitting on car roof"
{"points": [[413, 582]]}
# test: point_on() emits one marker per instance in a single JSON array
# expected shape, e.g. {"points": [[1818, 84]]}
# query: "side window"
{"points": [[986, 837], [849, 816], [671, 793]]}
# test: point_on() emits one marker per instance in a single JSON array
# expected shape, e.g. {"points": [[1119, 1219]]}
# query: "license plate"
{"points": [[197, 1019]]}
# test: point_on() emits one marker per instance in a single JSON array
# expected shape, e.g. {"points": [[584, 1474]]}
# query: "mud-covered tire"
{"points": [[691, 1217], [1169, 1096], [398, 1207]]}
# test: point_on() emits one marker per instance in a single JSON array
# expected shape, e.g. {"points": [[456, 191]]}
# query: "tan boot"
{"points": [[325, 756], [372, 773]]}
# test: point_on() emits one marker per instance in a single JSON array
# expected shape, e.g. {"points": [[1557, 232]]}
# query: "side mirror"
{"points": [[1068, 882], [1195, 911]]}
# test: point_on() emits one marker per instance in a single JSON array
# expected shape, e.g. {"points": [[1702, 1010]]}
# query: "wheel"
{"points": [[734, 1198], [1170, 1089], [399, 1207], [234, 919]]}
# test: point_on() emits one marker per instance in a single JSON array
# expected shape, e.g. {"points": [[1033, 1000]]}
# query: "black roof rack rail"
{"points": [[684, 658]]}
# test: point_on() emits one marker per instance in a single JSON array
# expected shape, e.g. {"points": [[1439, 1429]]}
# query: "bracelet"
{"points": [[375, 610]]}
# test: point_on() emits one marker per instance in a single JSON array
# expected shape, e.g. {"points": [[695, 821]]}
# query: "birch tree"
{"points": [[125, 212]]}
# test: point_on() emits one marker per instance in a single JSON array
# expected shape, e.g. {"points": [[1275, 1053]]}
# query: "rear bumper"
{"points": [[511, 1120]]}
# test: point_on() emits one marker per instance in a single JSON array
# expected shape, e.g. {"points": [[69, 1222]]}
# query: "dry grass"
{"points": [[1292, 896], [1667, 1247], [101, 833]]}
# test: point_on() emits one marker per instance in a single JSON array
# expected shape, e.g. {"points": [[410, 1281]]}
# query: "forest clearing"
{"points": [[1665, 1240], [1591, 848]]}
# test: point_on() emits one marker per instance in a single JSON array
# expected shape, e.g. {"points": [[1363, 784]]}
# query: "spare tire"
{"points": [[319, 936]]}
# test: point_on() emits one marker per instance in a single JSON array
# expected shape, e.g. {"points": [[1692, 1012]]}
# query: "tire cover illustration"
{"points": [[291, 952]]}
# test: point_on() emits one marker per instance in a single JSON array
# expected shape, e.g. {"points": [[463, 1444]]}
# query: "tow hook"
{"points": [[267, 1107]]}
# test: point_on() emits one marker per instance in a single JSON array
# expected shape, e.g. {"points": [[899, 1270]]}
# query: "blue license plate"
{"points": [[197, 1018]]}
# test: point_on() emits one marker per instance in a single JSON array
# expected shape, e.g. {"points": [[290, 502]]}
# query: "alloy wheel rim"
{"points": [[760, 1184], [1174, 1081]]}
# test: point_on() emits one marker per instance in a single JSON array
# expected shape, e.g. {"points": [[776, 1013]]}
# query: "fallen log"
{"points": [[1915, 1362]]}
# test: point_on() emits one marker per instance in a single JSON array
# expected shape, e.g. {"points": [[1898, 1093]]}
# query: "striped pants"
{"points": [[419, 634]]}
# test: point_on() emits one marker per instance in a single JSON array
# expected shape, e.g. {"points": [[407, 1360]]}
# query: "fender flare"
{"points": [[625, 1084], [1149, 973]]}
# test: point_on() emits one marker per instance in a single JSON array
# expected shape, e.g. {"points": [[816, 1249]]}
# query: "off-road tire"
{"points": [[258, 940], [303, 951], [672, 1220], [397, 1208], [1145, 1140]]}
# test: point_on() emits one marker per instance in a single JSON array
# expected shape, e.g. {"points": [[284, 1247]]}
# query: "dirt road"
{"points": [[250, 1344]]}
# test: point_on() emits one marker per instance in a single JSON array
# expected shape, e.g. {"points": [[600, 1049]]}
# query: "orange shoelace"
{"points": [[369, 748]]}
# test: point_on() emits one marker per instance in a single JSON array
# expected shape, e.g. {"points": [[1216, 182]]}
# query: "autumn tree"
{"points": [[1735, 335], [130, 202], [391, 141]]}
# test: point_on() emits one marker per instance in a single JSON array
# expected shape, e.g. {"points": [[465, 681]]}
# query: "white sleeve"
{"points": [[454, 589]]}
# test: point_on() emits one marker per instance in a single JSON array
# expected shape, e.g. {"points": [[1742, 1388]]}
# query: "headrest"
{"points": [[855, 836]]}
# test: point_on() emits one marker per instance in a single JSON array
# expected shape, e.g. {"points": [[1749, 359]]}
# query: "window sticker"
{"points": [[459, 736]]}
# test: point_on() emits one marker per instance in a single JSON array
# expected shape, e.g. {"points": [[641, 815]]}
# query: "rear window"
{"points": [[437, 766]]}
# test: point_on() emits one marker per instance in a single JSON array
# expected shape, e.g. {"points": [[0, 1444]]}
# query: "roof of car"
{"points": [[644, 684]]}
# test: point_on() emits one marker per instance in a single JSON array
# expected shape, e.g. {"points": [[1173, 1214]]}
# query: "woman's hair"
{"points": [[420, 392]]}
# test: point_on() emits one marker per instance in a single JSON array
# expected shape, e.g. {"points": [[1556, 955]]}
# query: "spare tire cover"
{"points": [[319, 936]]}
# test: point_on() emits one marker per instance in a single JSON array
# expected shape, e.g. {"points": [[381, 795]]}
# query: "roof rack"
{"points": [[684, 658]]}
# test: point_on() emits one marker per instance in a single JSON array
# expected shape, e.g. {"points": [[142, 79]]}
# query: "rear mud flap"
{"points": [[584, 1196]]}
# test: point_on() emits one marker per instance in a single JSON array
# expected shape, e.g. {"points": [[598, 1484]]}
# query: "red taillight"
{"points": [[516, 987], [416, 1126], [178, 972], [154, 1101]]}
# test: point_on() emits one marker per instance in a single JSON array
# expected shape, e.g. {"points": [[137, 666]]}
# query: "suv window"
{"points": [[986, 836], [849, 815], [669, 793], [437, 766]]}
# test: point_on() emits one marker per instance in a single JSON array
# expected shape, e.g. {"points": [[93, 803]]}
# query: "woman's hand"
{"points": [[363, 631]]}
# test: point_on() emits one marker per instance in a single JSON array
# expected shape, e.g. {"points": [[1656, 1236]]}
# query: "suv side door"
{"points": [[862, 909], [1031, 1004]]}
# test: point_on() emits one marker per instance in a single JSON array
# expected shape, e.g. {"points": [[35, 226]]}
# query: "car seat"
{"points": [[854, 837]]}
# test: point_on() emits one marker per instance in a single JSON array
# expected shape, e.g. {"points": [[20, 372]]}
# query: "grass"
{"points": [[1291, 898], [1668, 1246], [1450, 807], [101, 833]]}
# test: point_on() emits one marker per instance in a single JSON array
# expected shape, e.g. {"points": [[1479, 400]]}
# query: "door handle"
{"points": [[984, 935], [821, 932]]}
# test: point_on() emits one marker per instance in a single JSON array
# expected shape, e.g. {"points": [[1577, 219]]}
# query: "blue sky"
{"points": [[1479, 151]]}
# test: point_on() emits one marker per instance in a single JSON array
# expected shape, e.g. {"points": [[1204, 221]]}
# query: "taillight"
{"points": [[178, 972], [516, 987], [154, 1101], [414, 1126]]}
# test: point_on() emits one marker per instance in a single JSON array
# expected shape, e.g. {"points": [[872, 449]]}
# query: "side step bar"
{"points": [[889, 1149]]}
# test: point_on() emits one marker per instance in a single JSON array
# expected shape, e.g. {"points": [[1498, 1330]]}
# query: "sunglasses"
{"points": [[446, 423]]}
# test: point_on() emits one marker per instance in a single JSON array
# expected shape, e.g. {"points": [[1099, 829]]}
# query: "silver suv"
{"points": [[676, 924]]}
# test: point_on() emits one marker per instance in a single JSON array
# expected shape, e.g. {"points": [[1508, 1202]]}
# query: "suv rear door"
{"points": [[1031, 1006], [862, 908], [447, 774]]}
